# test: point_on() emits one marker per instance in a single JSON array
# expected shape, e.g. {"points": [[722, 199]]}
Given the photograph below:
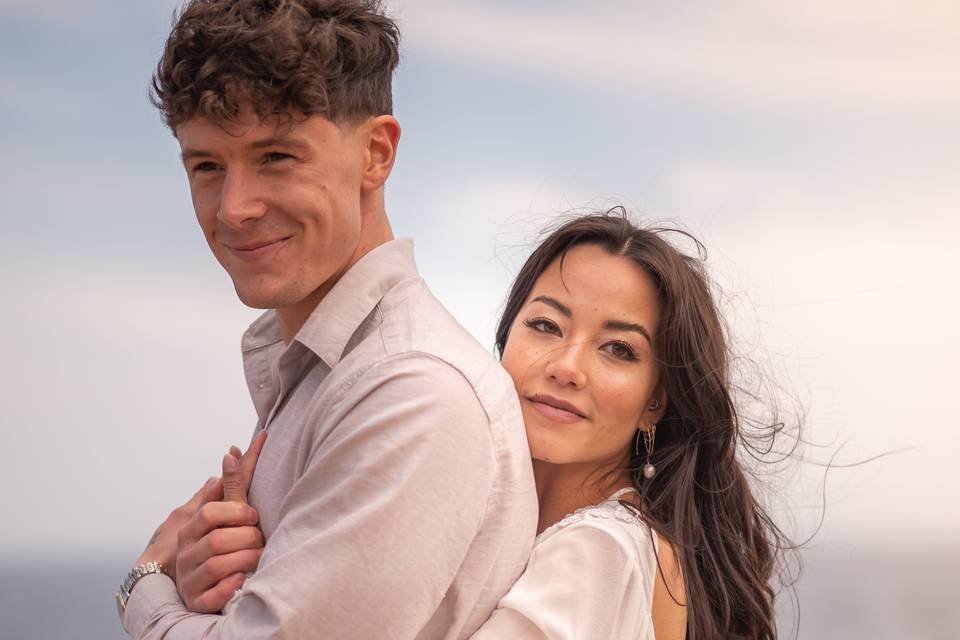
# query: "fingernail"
{"points": [[229, 463], [210, 482]]}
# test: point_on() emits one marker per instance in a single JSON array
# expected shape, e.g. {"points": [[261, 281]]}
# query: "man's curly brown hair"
{"points": [[330, 57]]}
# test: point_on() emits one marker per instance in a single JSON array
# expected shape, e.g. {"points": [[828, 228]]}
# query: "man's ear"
{"points": [[382, 138]]}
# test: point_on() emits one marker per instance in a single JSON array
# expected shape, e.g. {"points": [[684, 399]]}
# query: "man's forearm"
{"points": [[156, 612], [365, 523]]}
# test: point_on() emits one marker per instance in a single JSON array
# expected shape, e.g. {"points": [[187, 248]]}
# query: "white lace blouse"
{"points": [[590, 577]]}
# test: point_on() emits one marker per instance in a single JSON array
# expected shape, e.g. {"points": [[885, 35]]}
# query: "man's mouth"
{"points": [[257, 250]]}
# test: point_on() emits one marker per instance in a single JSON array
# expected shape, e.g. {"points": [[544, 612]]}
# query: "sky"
{"points": [[810, 146]]}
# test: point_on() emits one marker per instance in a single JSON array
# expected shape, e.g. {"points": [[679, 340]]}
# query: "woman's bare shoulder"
{"points": [[669, 596]]}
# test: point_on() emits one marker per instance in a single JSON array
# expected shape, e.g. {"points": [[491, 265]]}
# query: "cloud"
{"points": [[854, 55]]}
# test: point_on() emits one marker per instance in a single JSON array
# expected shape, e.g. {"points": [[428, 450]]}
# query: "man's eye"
{"points": [[204, 167], [276, 156]]}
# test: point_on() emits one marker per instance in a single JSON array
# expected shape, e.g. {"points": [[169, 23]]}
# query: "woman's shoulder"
{"points": [[610, 528], [610, 515], [591, 575]]}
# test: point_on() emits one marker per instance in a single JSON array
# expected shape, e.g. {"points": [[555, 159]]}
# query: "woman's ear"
{"points": [[382, 138], [655, 409]]}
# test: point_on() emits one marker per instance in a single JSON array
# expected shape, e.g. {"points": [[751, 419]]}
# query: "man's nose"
{"points": [[240, 199], [565, 365]]}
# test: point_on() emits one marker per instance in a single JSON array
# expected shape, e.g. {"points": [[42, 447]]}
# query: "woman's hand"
{"points": [[221, 543]]}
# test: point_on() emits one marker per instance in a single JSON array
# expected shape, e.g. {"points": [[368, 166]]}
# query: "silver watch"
{"points": [[132, 578]]}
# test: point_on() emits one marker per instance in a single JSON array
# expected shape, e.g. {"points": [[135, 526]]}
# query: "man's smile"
{"points": [[258, 250]]}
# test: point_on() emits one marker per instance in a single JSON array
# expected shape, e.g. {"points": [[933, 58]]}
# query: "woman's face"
{"points": [[580, 353]]}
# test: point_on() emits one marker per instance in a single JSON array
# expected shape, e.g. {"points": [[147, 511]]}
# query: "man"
{"points": [[394, 490]]}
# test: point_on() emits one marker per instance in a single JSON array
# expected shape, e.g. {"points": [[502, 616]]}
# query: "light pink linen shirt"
{"points": [[395, 490]]}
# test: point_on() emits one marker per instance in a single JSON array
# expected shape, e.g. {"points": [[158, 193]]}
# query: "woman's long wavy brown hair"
{"points": [[700, 499]]}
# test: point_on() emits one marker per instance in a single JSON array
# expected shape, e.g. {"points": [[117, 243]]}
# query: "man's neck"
{"points": [[292, 318]]}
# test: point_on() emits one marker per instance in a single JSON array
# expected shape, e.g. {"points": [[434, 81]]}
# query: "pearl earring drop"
{"points": [[649, 435]]}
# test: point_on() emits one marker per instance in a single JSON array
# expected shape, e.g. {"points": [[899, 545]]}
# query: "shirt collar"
{"points": [[341, 312]]}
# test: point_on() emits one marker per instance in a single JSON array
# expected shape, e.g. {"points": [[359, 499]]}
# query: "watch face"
{"points": [[121, 606]]}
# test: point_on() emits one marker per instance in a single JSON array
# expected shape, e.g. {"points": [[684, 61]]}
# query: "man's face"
{"points": [[278, 202]]}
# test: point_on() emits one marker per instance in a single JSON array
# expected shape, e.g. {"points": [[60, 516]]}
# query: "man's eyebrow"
{"points": [[619, 325], [283, 143], [556, 304], [190, 154]]}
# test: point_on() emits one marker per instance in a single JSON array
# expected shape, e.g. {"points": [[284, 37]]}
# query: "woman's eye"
{"points": [[542, 326], [621, 350]]}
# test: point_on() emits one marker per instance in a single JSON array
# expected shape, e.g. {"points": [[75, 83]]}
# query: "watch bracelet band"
{"points": [[134, 576]]}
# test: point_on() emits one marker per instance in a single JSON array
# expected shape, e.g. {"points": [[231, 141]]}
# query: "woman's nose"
{"points": [[565, 367]]}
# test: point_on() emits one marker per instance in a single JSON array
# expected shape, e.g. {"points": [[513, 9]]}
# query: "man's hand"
{"points": [[221, 543], [162, 547]]}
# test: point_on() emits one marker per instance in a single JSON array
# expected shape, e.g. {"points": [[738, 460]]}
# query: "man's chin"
{"points": [[259, 297]]}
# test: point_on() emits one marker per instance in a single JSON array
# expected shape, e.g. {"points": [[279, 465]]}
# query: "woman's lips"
{"points": [[547, 408]]}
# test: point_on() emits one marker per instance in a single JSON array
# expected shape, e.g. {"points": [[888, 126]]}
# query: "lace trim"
{"points": [[609, 509]]}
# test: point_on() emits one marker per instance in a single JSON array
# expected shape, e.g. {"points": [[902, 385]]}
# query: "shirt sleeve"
{"points": [[372, 534], [584, 581]]}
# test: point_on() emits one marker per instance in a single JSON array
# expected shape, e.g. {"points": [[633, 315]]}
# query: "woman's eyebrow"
{"points": [[556, 304], [619, 325], [613, 325]]}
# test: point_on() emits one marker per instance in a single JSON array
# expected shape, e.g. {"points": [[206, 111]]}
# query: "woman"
{"points": [[648, 526]]}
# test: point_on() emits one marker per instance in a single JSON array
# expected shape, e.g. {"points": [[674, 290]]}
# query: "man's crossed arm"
{"points": [[370, 537]]}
